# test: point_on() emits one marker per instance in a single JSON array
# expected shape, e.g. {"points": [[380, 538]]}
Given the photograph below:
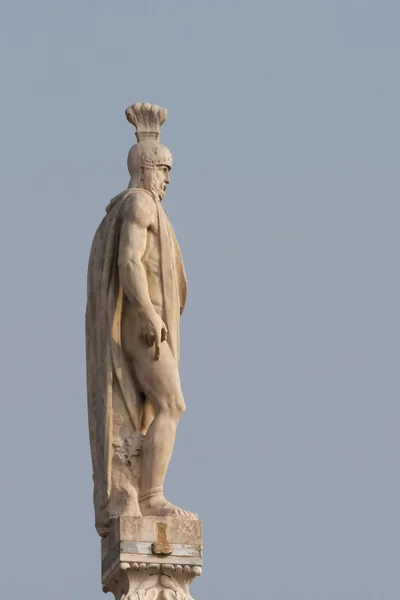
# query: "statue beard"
{"points": [[153, 184], [158, 190]]}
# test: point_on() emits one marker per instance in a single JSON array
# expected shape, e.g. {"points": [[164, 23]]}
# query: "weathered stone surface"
{"points": [[144, 529]]}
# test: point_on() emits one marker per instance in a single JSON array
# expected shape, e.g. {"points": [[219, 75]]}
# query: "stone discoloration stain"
{"points": [[162, 546]]}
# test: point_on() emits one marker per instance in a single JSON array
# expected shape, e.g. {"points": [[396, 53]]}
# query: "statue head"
{"points": [[149, 162]]}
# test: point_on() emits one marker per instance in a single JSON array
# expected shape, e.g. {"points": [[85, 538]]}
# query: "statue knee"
{"points": [[174, 407], [180, 406]]}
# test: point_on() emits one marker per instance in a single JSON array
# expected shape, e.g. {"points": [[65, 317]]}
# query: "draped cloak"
{"points": [[108, 371]]}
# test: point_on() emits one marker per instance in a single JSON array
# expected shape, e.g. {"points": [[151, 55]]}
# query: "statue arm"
{"points": [[137, 219]]}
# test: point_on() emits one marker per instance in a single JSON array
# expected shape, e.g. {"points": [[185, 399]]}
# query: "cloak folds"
{"points": [[108, 372]]}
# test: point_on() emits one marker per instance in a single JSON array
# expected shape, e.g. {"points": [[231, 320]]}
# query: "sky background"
{"points": [[284, 126]]}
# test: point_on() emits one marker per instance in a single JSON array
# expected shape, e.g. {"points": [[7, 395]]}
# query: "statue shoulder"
{"points": [[139, 207]]}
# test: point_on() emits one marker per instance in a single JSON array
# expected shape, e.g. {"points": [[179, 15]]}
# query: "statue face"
{"points": [[156, 181]]}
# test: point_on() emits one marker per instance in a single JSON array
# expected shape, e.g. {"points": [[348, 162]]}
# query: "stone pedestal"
{"points": [[151, 558]]}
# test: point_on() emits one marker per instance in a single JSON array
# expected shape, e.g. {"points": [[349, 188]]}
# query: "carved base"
{"points": [[141, 581], [151, 558]]}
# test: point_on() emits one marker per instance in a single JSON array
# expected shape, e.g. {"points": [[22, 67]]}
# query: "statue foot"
{"points": [[158, 506]]}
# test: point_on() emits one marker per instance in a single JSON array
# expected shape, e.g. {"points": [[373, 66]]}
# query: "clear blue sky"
{"points": [[284, 125]]}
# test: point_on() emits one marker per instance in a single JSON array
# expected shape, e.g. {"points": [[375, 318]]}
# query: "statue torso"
{"points": [[152, 265]]}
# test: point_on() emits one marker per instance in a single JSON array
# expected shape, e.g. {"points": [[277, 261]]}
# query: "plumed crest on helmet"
{"points": [[147, 118]]}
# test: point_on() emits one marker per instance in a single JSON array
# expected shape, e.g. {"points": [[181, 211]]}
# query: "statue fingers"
{"points": [[164, 334], [157, 349]]}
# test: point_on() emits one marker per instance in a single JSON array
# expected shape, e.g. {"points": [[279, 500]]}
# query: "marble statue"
{"points": [[136, 294]]}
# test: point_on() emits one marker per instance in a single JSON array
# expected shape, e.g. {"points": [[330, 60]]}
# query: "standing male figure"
{"points": [[136, 294]]}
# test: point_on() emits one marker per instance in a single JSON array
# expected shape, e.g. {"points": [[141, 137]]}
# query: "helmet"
{"points": [[148, 152]]}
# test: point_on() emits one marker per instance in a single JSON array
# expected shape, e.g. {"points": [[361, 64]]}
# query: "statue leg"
{"points": [[159, 380]]}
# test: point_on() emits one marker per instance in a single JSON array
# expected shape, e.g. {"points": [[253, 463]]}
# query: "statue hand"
{"points": [[154, 332]]}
